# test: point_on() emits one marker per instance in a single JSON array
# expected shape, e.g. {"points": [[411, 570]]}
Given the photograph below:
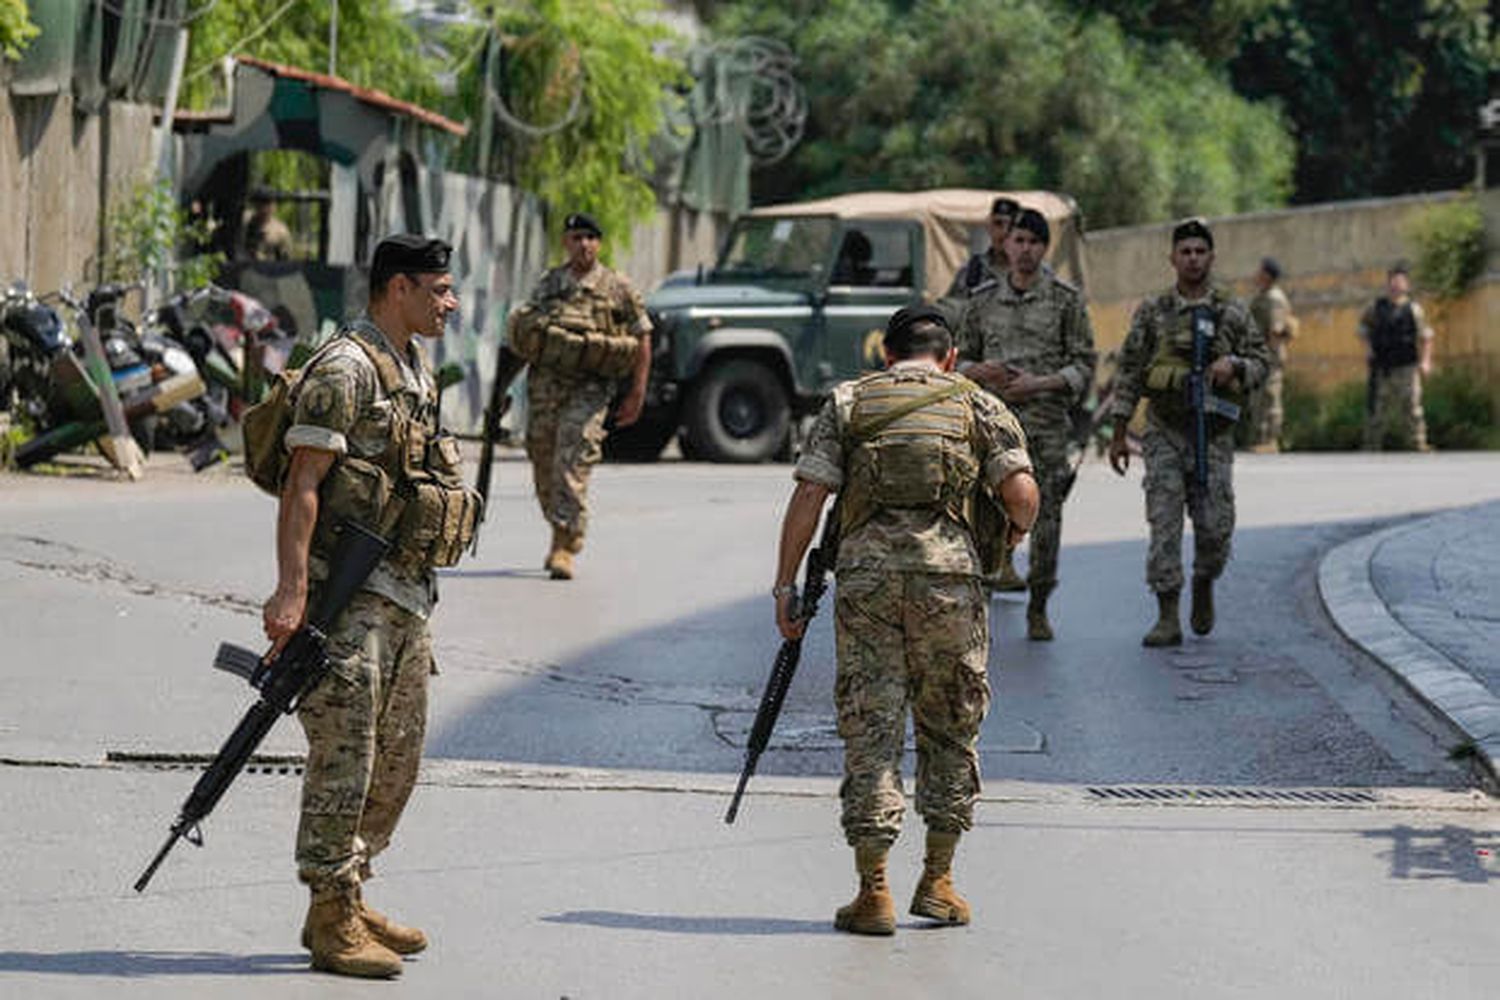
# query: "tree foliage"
{"points": [[1451, 245], [16, 29], [1215, 29], [1016, 94], [377, 48], [593, 81], [1383, 95]]}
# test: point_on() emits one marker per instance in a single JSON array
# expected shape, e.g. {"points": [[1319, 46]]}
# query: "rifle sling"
{"points": [[870, 428]]}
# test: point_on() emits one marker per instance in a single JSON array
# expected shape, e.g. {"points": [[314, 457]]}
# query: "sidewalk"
{"points": [[1421, 597]]}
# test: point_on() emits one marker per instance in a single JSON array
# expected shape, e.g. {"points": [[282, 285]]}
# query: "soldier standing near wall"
{"points": [[1155, 362], [906, 449], [364, 433], [1272, 313], [986, 266], [584, 329], [1027, 338], [1398, 346]]}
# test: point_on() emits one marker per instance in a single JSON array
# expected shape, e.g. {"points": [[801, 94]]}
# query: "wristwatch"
{"points": [[784, 590]]}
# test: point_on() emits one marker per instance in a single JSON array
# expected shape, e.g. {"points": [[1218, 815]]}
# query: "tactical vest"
{"points": [[1167, 374], [909, 441], [1393, 339], [411, 492], [577, 334]]}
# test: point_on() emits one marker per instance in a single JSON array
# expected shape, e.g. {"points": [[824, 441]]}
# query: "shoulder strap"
{"points": [[385, 366], [870, 428]]}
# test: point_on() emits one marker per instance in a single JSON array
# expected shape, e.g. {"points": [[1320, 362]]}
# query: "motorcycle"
{"points": [[234, 340], [46, 381]]}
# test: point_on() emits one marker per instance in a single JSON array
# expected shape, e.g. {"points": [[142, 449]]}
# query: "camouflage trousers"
{"points": [[1266, 408], [364, 727], [565, 440], [1048, 447], [917, 641], [1397, 403], [1171, 487]]}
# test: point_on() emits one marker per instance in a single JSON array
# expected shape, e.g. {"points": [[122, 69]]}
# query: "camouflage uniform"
{"points": [[566, 410], [1046, 331], [1272, 313], [365, 722], [911, 623], [1396, 384], [1163, 324]]}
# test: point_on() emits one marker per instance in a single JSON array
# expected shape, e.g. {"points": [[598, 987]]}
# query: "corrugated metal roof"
{"points": [[375, 98]]}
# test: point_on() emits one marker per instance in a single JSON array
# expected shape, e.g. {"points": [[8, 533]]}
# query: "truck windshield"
{"points": [[769, 247]]}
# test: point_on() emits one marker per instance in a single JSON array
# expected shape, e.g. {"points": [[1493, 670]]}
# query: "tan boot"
{"points": [[402, 940], [559, 564], [1038, 629], [1006, 580], [1168, 628], [1202, 615], [873, 911], [341, 943], [935, 897]]}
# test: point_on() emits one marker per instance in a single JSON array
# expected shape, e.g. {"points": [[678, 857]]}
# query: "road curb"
{"points": [[1359, 613]]}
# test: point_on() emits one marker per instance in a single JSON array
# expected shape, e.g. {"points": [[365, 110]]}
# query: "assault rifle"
{"points": [[815, 580], [508, 365], [1202, 403], [282, 682]]}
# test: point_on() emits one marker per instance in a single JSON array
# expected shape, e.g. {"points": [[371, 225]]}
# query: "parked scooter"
{"points": [[235, 341]]}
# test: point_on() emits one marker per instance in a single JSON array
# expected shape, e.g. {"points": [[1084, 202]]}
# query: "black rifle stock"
{"points": [[508, 365], [815, 580], [283, 683]]}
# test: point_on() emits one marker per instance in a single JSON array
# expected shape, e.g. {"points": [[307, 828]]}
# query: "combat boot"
{"points": [[873, 911], [559, 563], [341, 943], [935, 897], [1202, 615], [1038, 628], [402, 940], [1168, 628], [1007, 580]]}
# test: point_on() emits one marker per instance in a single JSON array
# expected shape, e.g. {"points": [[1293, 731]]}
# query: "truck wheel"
{"points": [[738, 412]]}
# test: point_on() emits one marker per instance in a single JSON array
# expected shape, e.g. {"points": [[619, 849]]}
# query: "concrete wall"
{"points": [[675, 239], [1334, 258], [51, 200]]}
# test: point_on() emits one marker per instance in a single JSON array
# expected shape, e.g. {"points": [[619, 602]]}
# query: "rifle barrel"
{"points": [[161, 855]]}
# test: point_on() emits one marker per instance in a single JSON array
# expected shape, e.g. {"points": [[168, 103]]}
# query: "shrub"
{"points": [[1450, 242], [1459, 406], [1460, 411]]}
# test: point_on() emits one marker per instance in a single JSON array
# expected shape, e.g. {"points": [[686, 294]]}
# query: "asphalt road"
{"points": [[114, 596]]}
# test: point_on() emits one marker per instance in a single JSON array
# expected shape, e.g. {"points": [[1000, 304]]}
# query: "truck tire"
{"points": [[737, 412]]}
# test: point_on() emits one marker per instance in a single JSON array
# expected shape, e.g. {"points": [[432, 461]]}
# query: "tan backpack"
{"points": [[265, 424]]}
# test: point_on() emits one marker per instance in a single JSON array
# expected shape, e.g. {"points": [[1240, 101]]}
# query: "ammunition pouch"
{"points": [[439, 514], [579, 335]]}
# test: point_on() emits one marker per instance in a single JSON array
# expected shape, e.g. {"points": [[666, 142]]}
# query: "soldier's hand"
{"points": [[282, 615], [1222, 371], [629, 410], [790, 627], [990, 374], [1119, 451], [1015, 534]]}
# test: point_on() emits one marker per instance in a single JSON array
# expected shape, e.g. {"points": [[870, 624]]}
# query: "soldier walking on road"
{"points": [[1272, 313], [1155, 362], [1027, 338], [364, 432], [584, 329], [1398, 344], [907, 450]]}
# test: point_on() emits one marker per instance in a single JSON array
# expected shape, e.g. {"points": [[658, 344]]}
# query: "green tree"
{"points": [[1215, 29], [16, 29], [1015, 94], [569, 94], [377, 48], [1383, 95]]}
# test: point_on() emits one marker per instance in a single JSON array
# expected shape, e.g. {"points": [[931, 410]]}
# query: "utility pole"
{"points": [[333, 40]]}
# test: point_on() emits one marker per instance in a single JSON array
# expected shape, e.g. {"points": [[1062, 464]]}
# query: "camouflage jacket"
{"points": [[1272, 312], [1168, 314], [1044, 330], [340, 408], [919, 539]]}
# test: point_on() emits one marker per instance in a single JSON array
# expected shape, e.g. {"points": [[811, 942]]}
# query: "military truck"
{"points": [[797, 302]]}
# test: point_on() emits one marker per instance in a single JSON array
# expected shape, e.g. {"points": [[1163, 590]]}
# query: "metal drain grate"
{"points": [[1146, 794], [269, 763]]}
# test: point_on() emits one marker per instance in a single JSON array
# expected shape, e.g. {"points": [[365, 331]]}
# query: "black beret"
{"points": [[1034, 221], [582, 222], [1194, 228], [1400, 267], [1007, 207], [1271, 267], [408, 253], [906, 318]]}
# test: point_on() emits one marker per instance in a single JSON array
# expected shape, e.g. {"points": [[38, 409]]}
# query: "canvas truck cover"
{"points": [[949, 216]]}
